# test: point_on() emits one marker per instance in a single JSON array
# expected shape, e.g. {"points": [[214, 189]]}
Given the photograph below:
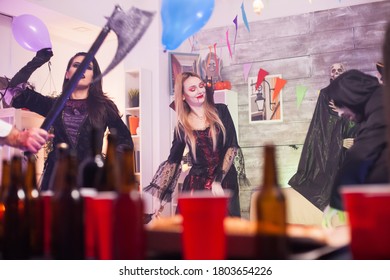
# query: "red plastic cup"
{"points": [[203, 235], [129, 235], [368, 209], [103, 207], [46, 209], [89, 222]]}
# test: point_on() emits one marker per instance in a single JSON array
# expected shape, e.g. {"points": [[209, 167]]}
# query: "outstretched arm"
{"points": [[27, 140], [22, 76]]}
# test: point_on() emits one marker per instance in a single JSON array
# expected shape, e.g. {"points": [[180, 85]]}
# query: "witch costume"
{"points": [[73, 125], [219, 165]]}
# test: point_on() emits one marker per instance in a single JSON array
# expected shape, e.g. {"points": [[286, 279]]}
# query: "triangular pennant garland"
{"points": [[300, 92]]}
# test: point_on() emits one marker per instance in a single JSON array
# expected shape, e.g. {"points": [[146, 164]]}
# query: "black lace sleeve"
{"points": [[165, 179], [233, 153], [33, 101], [231, 144]]}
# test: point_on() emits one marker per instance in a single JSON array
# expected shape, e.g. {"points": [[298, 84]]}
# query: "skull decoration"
{"points": [[336, 70]]}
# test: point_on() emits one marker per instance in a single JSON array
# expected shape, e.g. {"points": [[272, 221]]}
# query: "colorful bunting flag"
{"points": [[260, 77], [228, 43], [300, 92], [279, 84], [235, 35], [246, 68], [244, 18]]}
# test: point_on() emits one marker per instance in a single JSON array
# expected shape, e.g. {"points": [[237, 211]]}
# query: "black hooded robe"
{"points": [[366, 161], [322, 153]]}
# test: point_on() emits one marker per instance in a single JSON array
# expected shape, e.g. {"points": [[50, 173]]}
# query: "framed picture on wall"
{"points": [[179, 63], [265, 105]]}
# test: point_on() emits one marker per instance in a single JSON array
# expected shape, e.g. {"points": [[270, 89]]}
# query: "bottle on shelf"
{"points": [[129, 241], [67, 224], [16, 231], [271, 212], [34, 208]]}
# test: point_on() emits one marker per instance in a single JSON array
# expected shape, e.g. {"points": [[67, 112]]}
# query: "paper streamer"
{"points": [[228, 43], [246, 68], [300, 92], [244, 18]]}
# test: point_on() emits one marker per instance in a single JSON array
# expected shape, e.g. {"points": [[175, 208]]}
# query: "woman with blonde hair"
{"points": [[208, 131]]}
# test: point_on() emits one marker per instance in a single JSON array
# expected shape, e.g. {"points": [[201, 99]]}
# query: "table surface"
{"points": [[332, 244]]}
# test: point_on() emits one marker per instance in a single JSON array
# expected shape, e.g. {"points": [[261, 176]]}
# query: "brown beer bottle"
{"points": [[5, 182], [271, 212], [109, 176], [92, 165], [67, 233], [34, 208], [16, 231], [129, 235]]}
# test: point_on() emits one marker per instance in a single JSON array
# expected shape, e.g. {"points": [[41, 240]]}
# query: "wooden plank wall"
{"points": [[301, 48]]}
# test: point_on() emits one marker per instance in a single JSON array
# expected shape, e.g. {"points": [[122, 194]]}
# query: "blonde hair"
{"points": [[183, 110]]}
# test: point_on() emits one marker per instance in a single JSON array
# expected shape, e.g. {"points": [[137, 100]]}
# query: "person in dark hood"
{"points": [[323, 151], [359, 97]]}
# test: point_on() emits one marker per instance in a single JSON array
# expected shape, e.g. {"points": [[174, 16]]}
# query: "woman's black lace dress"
{"points": [[218, 165]]}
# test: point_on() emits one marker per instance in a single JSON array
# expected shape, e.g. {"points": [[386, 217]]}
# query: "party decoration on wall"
{"points": [[221, 85], [258, 6], [235, 34], [246, 68], [260, 77], [244, 18], [279, 84], [228, 43], [261, 106], [30, 32], [181, 19], [300, 92], [211, 65]]}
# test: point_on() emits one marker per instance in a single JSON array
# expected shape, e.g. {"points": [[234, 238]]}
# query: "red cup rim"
{"points": [[88, 192], [47, 193], [366, 189], [203, 194], [106, 195]]}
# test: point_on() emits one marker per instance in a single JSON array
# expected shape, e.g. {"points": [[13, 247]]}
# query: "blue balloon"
{"points": [[183, 18]]}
